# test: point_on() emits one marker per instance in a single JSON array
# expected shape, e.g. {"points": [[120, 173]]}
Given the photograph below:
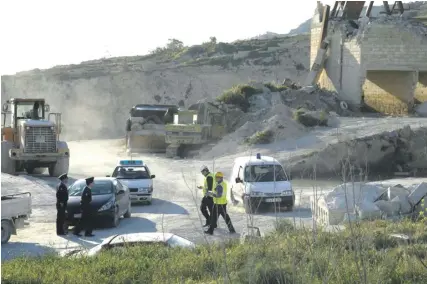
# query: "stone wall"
{"points": [[395, 47], [402, 53], [392, 47]]}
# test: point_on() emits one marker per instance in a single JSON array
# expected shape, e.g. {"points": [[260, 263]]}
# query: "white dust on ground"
{"points": [[278, 119]]}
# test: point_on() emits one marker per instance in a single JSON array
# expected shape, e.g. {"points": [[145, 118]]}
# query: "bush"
{"points": [[239, 96], [261, 137], [302, 116], [291, 255], [275, 87]]}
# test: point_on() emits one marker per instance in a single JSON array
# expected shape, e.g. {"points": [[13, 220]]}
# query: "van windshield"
{"points": [[265, 173]]}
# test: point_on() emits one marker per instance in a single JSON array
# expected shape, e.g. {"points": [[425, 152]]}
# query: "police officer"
{"points": [[219, 195], [61, 204], [206, 206], [86, 219]]}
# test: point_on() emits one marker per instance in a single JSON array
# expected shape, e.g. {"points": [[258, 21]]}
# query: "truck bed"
{"points": [[15, 205]]}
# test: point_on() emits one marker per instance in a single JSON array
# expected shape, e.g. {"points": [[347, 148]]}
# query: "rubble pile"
{"points": [[274, 113], [358, 29], [312, 98], [278, 120], [367, 201]]}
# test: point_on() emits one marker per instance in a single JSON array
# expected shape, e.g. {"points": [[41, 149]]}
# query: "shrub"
{"points": [[261, 137], [302, 116], [239, 96], [275, 87]]}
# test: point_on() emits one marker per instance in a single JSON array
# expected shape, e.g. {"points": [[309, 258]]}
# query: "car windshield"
{"points": [[98, 188], [131, 173], [264, 173]]}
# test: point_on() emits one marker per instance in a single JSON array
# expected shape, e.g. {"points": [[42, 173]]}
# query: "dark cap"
{"points": [[89, 180], [63, 176]]}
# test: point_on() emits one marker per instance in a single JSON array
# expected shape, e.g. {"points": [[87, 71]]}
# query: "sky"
{"points": [[44, 33]]}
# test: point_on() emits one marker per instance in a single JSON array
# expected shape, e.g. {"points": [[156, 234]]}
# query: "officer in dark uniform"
{"points": [[61, 204], [86, 219]]}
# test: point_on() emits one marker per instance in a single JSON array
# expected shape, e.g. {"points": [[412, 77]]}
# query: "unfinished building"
{"points": [[377, 61]]}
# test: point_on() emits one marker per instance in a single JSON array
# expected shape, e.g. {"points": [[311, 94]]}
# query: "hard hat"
{"points": [[204, 168], [219, 175]]}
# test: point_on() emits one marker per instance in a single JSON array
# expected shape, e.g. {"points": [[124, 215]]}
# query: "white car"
{"points": [[134, 239], [136, 175]]}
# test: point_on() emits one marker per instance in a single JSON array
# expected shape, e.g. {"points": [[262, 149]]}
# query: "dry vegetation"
{"points": [[364, 253]]}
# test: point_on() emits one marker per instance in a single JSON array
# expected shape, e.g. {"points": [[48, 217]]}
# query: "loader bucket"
{"points": [[146, 143]]}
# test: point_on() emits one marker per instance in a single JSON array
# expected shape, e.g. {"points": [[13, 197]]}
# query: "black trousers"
{"points": [[60, 219], [86, 222], [220, 209], [206, 207]]}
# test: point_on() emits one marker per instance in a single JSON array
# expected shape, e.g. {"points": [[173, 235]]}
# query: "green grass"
{"points": [[239, 96], [363, 254]]}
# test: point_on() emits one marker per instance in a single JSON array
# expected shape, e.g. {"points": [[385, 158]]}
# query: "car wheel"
{"points": [[6, 231], [116, 218], [128, 212]]}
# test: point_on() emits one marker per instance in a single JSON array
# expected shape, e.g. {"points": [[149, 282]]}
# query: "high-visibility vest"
{"points": [[205, 186], [223, 199]]}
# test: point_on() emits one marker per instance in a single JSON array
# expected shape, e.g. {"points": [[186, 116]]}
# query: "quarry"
{"points": [[343, 108]]}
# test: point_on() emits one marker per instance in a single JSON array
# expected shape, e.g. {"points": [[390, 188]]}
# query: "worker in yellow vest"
{"points": [[206, 207], [219, 195]]}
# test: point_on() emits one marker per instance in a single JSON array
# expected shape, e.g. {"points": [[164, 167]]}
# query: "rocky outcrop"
{"points": [[398, 151]]}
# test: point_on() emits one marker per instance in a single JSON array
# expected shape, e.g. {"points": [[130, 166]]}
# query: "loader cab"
{"points": [[24, 109]]}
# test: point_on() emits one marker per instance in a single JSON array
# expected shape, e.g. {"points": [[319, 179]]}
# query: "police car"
{"points": [[136, 175]]}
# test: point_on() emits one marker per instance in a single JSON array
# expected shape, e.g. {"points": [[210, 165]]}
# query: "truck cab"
{"points": [[256, 181]]}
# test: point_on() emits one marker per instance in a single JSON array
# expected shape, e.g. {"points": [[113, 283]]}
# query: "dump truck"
{"points": [[30, 141], [145, 127], [199, 124], [15, 209]]}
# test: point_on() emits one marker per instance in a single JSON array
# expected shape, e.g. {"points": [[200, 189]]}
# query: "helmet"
{"points": [[204, 168], [219, 175]]}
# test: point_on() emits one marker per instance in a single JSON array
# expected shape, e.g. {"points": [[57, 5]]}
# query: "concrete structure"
{"points": [[382, 61]]}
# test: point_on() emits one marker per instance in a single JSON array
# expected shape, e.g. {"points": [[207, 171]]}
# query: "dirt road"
{"points": [[175, 207]]}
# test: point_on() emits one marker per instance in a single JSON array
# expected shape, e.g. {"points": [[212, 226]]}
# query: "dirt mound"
{"points": [[264, 126]]}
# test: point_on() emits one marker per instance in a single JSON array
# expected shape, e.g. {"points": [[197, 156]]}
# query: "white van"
{"points": [[255, 180]]}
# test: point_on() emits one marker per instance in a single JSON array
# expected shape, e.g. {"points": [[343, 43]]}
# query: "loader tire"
{"points": [[60, 167], [8, 165], [35, 171]]}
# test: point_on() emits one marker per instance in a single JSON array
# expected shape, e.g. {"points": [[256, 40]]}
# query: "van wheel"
{"points": [[248, 205]]}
